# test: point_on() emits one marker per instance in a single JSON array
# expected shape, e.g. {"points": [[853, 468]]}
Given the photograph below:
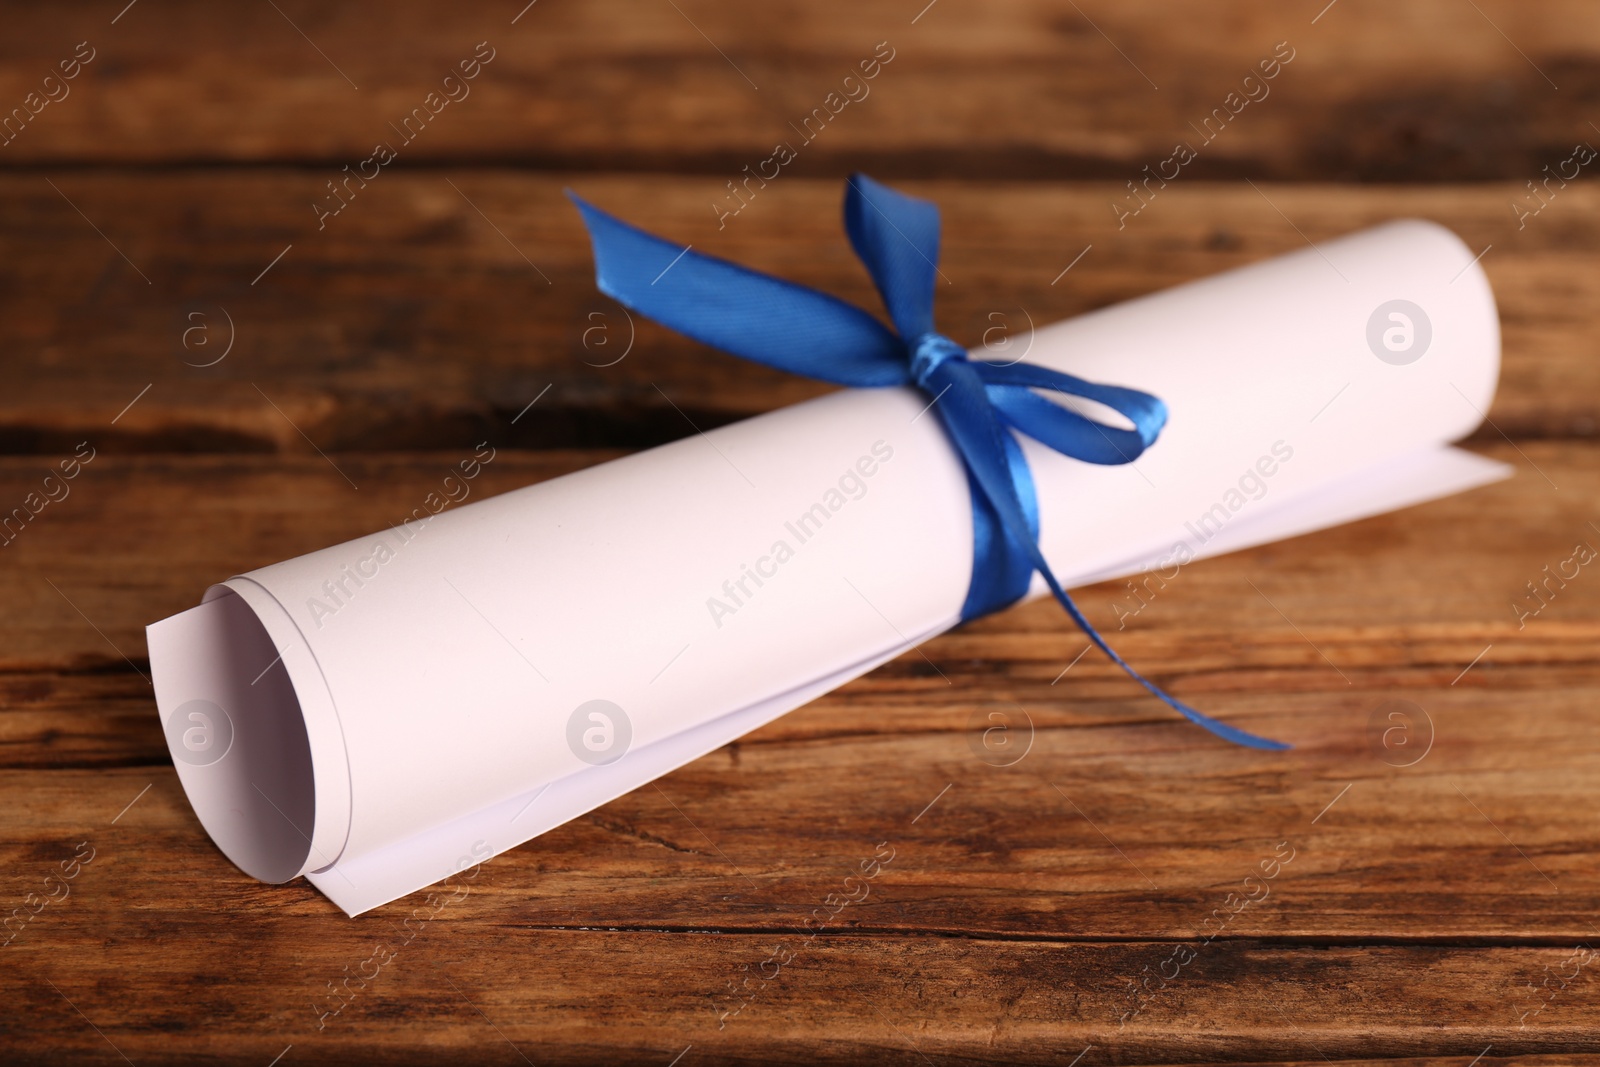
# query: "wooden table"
{"points": [[237, 365]]}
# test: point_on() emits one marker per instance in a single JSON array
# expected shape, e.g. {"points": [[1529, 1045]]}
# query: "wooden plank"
{"points": [[55, 720], [1018, 88], [168, 956], [1110, 825], [414, 321]]}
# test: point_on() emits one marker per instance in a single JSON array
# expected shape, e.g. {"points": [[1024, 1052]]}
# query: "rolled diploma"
{"points": [[414, 718]]}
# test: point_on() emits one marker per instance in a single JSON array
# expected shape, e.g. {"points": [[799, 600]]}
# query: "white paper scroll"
{"points": [[380, 714]]}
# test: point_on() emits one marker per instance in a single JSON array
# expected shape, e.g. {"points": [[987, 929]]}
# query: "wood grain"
{"points": [[1433, 90], [414, 321], [994, 935], [647, 996]]}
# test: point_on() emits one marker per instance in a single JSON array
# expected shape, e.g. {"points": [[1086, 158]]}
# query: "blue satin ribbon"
{"points": [[981, 403]]}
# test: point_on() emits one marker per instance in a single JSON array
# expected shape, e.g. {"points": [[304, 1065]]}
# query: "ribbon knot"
{"points": [[927, 353], [982, 405]]}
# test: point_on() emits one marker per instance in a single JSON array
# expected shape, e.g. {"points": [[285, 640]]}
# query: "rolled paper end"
{"points": [[245, 745]]}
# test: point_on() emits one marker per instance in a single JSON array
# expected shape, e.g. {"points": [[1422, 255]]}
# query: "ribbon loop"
{"points": [[980, 404], [761, 318], [897, 237]]}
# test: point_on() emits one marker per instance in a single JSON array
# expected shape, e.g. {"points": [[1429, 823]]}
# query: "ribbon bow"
{"points": [[981, 403]]}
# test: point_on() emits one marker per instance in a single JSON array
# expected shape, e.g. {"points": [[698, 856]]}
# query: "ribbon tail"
{"points": [[1194, 715], [1001, 571], [979, 436]]}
